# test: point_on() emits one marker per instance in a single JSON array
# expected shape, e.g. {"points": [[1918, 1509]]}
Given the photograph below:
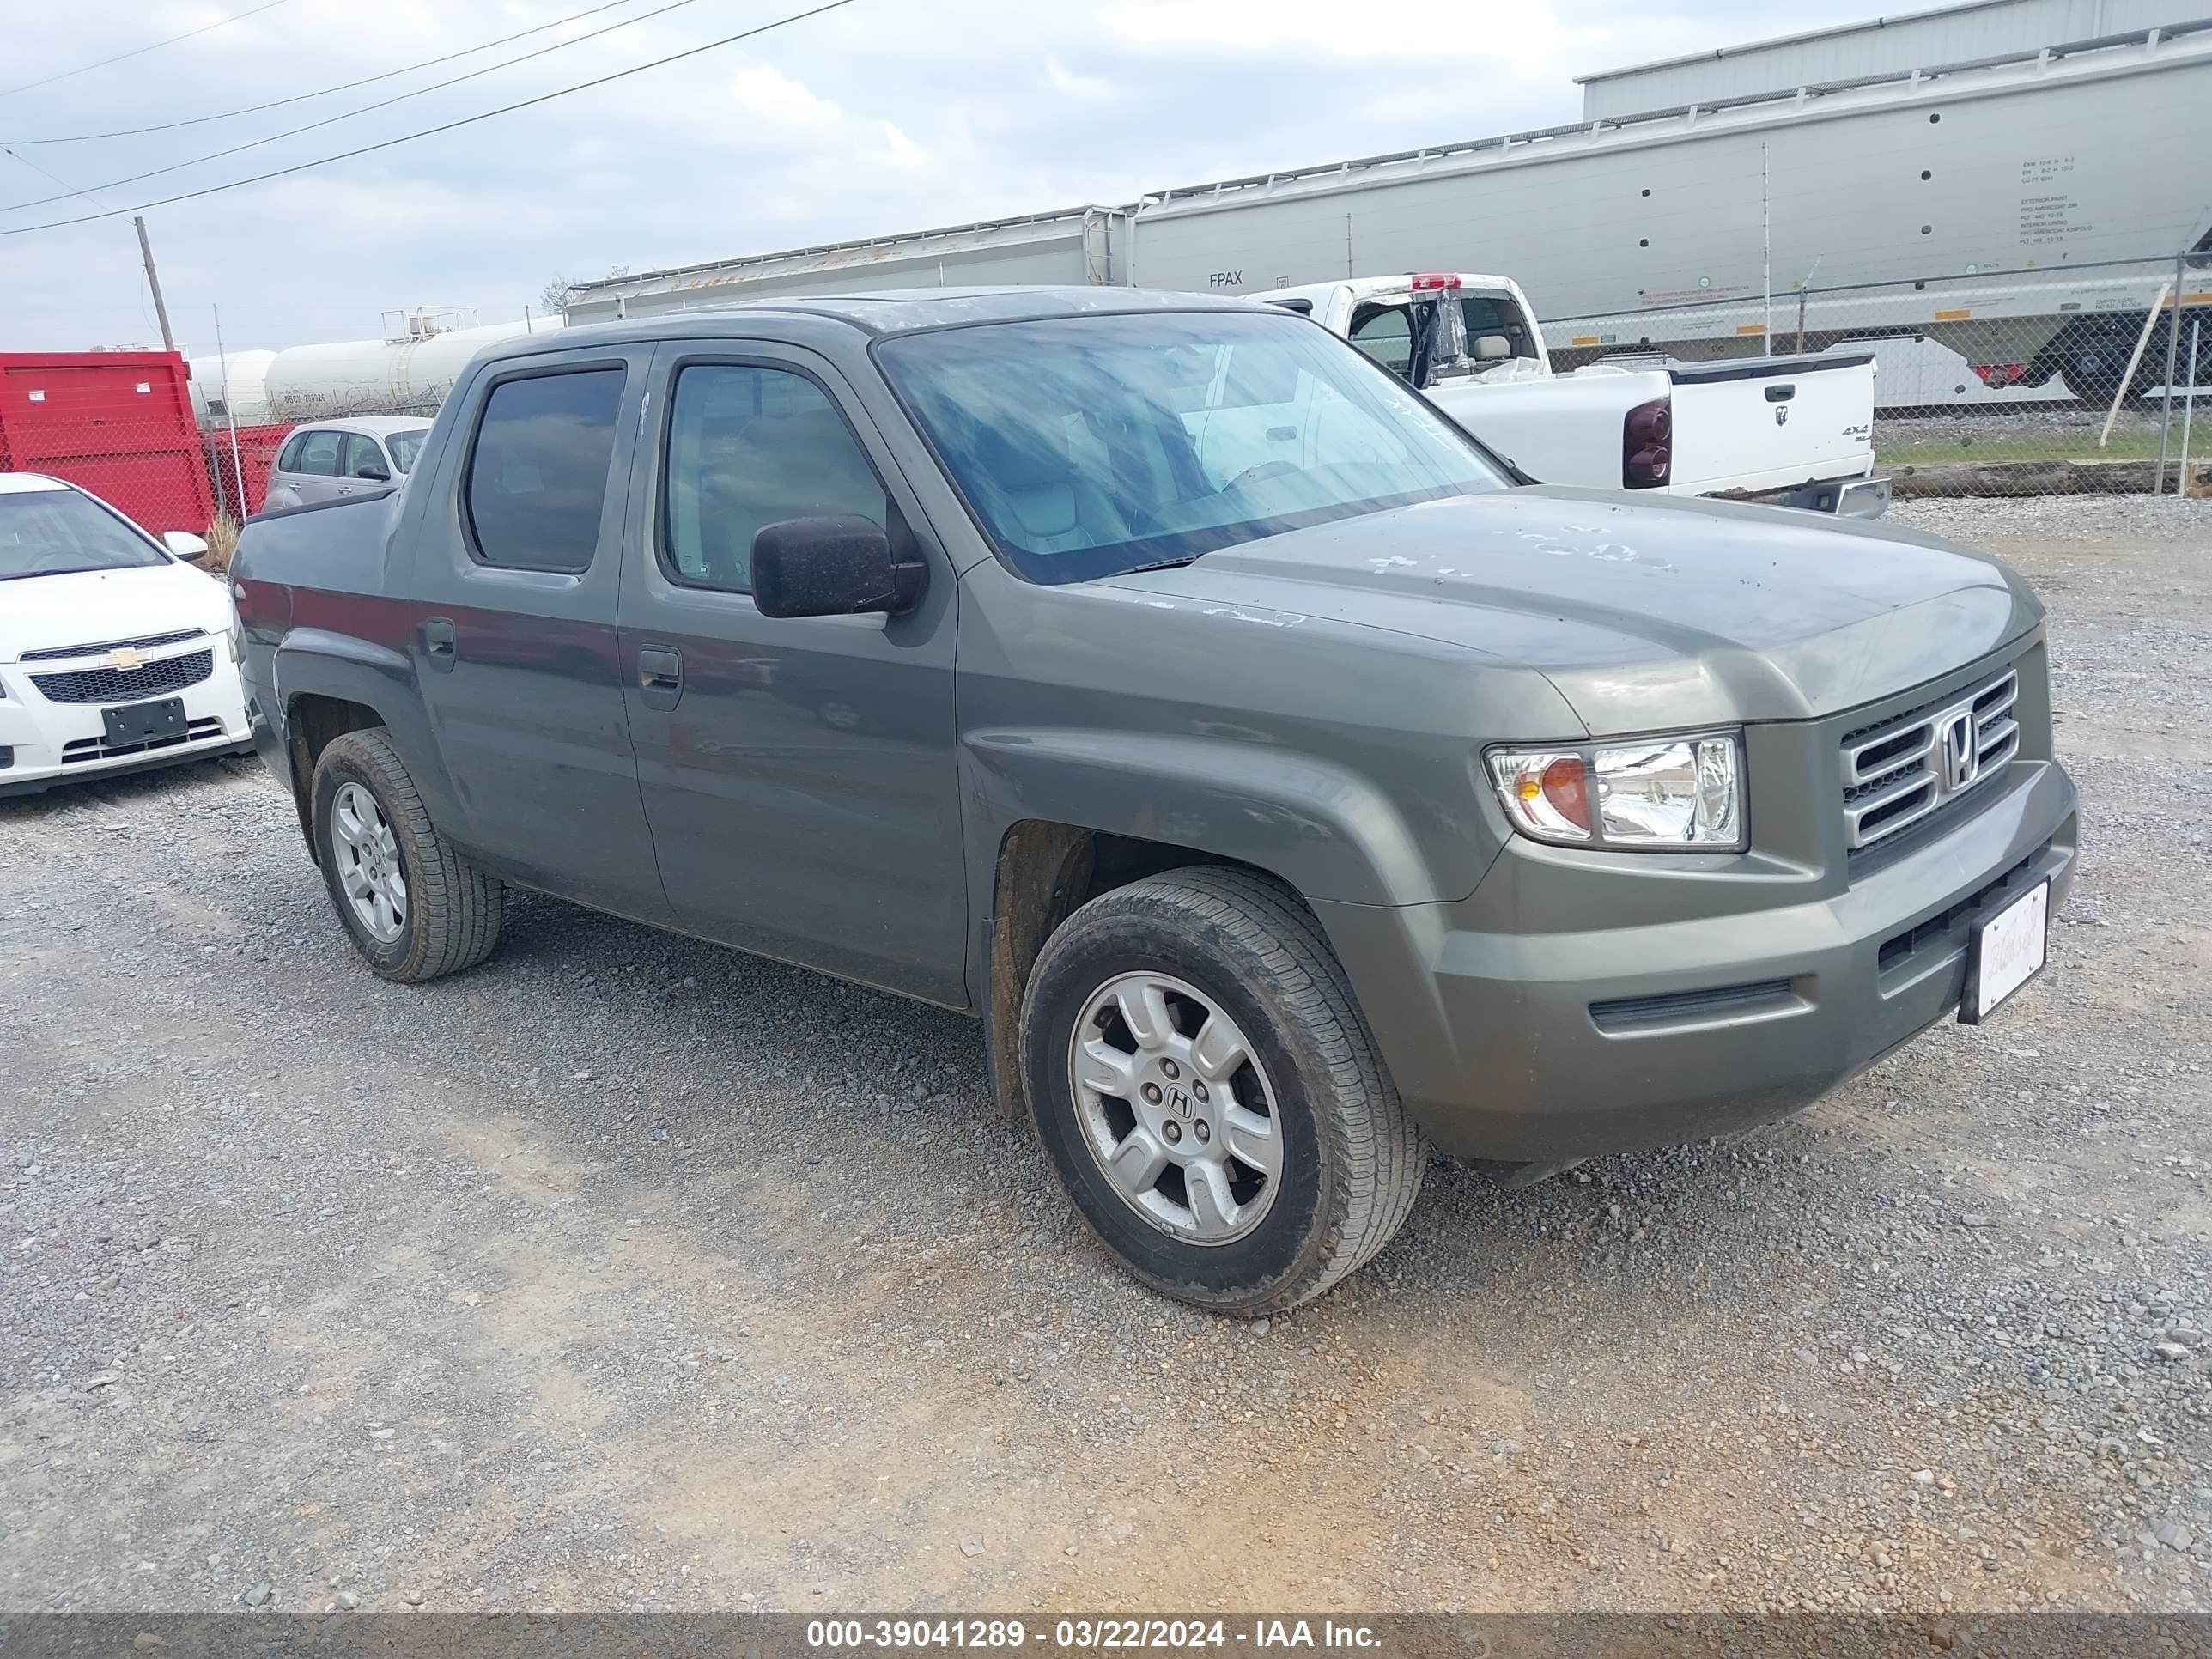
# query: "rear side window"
{"points": [[1386, 334], [317, 456], [538, 476], [288, 459], [750, 447]]}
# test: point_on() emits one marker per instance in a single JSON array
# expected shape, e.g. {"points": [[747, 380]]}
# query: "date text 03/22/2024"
{"points": [[1086, 1635]]}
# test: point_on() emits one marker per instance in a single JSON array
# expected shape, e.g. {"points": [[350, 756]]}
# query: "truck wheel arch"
{"points": [[312, 720], [1045, 872]]}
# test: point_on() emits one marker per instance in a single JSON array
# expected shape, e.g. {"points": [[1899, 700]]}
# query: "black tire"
{"points": [[453, 913], [1354, 1161]]}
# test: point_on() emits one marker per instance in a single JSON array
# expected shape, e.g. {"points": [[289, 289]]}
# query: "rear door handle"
{"points": [[1780, 394], [659, 677], [438, 643]]}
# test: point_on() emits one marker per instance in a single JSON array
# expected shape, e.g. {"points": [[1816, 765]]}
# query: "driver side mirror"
{"points": [[830, 567], [186, 546]]}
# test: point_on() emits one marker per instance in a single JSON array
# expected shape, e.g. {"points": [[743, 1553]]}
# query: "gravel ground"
{"points": [[626, 1272]]}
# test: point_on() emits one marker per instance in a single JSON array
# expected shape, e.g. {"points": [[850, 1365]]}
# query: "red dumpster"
{"points": [[118, 424]]}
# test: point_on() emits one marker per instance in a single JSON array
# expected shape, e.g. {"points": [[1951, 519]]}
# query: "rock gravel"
{"points": [[625, 1271]]}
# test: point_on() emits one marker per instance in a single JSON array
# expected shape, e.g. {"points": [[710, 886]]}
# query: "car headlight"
{"points": [[1667, 792]]}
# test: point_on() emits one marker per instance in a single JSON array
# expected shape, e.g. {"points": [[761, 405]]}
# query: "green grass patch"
{"points": [[1942, 449]]}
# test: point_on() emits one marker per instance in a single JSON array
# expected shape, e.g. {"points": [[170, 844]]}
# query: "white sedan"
{"points": [[115, 654]]}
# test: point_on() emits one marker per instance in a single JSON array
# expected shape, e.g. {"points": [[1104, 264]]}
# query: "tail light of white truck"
{"points": [[1647, 449]]}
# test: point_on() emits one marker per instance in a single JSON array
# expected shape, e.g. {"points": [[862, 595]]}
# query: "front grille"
{"points": [[153, 679], [99, 749], [1907, 766], [59, 652], [1937, 929]]}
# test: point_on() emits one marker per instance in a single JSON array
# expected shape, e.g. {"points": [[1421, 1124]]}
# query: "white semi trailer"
{"points": [[2012, 209]]}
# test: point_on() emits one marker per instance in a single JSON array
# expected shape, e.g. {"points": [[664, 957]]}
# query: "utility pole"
{"points": [[154, 282], [230, 410]]}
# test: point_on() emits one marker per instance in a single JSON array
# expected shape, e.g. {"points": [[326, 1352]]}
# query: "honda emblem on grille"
{"points": [[124, 657], [1959, 749]]}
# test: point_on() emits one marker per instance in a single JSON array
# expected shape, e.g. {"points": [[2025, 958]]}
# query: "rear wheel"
{"points": [[1210, 1095], [414, 907]]}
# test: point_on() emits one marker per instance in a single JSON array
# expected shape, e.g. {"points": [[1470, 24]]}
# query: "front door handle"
{"points": [[659, 677], [438, 643]]}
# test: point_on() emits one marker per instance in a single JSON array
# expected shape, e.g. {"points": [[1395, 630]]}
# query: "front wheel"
{"points": [[415, 909], [1210, 1095]]}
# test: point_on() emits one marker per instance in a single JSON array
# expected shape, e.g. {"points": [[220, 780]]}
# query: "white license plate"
{"points": [[2007, 951]]}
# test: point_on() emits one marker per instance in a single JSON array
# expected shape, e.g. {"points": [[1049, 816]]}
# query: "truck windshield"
{"points": [[58, 532], [1091, 446]]}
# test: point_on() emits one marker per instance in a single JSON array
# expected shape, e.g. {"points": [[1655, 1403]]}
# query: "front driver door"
{"points": [[798, 774]]}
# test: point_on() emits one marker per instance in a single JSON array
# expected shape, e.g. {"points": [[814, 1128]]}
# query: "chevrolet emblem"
{"points": [[124, 657]]}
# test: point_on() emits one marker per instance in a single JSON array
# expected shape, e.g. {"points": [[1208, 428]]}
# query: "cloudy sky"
{"points": [[883, 115]]}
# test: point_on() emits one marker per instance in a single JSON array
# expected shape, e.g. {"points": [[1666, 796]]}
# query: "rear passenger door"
{"points": [[516, 585], [314, 466], [798, 773]]}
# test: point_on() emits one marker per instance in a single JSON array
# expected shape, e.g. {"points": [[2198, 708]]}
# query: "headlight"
{"points": [[1652, 792]]}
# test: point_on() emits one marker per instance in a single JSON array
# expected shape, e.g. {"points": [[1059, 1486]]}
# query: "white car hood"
{"points": [[100, 607]]}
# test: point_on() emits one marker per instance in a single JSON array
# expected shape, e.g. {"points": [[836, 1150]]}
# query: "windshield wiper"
{"points": [[23, 576], [1164, 564]]}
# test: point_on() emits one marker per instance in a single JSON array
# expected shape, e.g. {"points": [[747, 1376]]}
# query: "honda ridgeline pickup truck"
{"points": [[1288, 804]]}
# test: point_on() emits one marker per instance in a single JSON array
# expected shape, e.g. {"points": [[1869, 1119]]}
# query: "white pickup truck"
{"points": [[1794, 430]]}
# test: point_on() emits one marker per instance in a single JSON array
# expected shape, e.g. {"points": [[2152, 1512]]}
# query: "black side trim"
{"points": [[1676, 1007], [323, 506]]}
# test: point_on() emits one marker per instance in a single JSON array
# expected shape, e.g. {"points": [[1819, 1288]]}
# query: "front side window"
{"points": [[318, 455], [55, 532], [750, 447], [1090, 445], [406, 447], [361, 451], [538, 476]]}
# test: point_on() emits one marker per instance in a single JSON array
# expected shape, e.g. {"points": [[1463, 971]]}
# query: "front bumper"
{"points": [[1556, 1045], [43, 743]]}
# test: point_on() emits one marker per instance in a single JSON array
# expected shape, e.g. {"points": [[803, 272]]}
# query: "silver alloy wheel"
{"points": [[1175, 1108], [368, 862]]}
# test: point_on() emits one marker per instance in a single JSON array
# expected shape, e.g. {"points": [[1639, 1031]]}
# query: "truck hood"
{"points": [[1645, 612], [98, 607]]}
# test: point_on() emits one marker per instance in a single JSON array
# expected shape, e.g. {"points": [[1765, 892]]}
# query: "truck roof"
{"points": [[879, 314]]}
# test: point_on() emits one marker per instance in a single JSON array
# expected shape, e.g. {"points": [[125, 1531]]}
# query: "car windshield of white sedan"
{"points": [[1091, 445], [56, 533]]}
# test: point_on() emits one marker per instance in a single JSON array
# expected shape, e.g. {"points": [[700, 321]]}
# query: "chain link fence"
{"points": [[2083, 378]]}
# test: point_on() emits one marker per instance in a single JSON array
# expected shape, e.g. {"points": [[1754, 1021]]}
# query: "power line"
{"points": [[347, 115], [68, 187], [140, 52], [447, 126], [343, 86]]}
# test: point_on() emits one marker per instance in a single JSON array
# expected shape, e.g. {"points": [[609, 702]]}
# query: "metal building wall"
{"points": [[1884, 45]]}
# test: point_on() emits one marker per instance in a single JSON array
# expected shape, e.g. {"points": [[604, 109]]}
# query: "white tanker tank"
{"points": [[229, 388], [412, 370]]}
